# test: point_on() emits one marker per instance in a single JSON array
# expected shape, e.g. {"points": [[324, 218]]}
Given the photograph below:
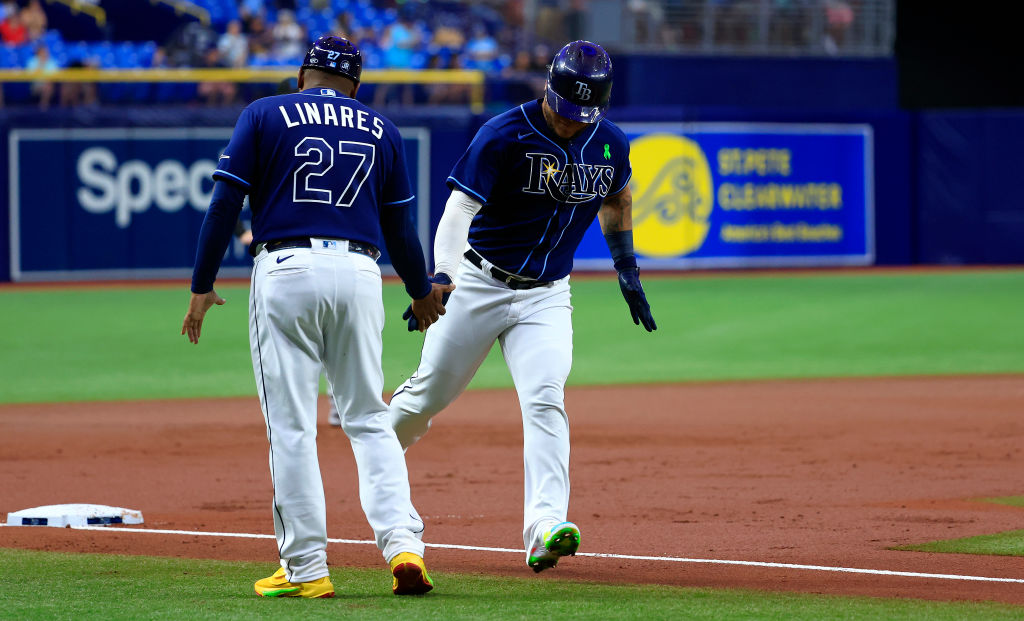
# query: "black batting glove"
{"points": [[633, 291], [441, 279]]}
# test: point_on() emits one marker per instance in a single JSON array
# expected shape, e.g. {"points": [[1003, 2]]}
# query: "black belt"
{"points": [[514, 281], [305, 242]]}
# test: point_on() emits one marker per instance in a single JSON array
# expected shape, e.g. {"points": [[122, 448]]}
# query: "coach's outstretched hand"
{"points": [[197, 307], [633, 291], [426, 310]]}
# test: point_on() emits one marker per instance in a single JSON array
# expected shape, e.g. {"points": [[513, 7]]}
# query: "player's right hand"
{"points": [[197, 307], [426, 310]]}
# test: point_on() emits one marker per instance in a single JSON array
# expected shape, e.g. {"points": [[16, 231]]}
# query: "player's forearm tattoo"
{"points": [[616, 212]]}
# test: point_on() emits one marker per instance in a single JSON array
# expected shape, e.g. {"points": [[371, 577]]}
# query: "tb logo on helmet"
{"points": [[582, 91], [580, 82]]}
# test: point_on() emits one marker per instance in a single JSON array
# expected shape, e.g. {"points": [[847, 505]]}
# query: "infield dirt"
{"points": [[820, 472]]}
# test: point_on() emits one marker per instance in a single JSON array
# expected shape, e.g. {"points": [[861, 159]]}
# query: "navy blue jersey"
{"points": [[316, 163], [540, 193]]}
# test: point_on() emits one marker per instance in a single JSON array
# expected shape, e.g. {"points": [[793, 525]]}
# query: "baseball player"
{"points": [[524, 193], [326, 178], [284, 87]]}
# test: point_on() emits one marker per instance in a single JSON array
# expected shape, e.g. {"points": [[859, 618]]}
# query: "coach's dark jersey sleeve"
{"points": [[478, 169], [397, 189], [238, 162]]}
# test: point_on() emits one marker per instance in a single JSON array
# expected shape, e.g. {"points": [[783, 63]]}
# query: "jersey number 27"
{"points": [[319, 160]]}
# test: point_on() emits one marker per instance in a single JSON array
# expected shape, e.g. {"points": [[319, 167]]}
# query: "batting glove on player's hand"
{"points": [[633, 291], [439, 279]]}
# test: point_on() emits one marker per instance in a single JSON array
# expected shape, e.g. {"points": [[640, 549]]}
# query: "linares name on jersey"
{"points": [[326, 113]]}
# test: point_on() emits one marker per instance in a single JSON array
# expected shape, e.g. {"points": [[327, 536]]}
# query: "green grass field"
{"points": [[1010, 543], [107, 587], [1010, 501], [81, 344], [117, 343]]}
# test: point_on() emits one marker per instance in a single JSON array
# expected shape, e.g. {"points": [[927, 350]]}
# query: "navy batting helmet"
{"points": [[580, 82], [335, 55]]}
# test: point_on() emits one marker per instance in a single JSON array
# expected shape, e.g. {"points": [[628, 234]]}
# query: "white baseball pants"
{"points": [[314, 309], [534, 329]]}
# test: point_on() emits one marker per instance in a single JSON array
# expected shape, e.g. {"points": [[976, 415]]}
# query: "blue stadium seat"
{"points": [[8, 57], [24, 52], [76, 51], [56, 47], [51, 37], [419, 60], [145, 52], [100, 49]]}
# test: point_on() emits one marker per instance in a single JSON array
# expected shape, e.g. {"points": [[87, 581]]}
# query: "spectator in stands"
{"points": [[34, 18], [541, 58], [447, 93], [575, 20], [482, 49], [343, 26], [787, 23], [77, 94], [12, 29], [447, 36], [838, 19], [548, 24], [647, 17], [261, 37], [289, 36], [43, 64], [216, 93], [189, 44], [527, 72], [248, 8], [159, 59], [233, 45], [400, 40]]}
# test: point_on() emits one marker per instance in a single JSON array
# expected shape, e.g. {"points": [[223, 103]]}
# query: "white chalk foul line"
{"points": [[630, 557]]}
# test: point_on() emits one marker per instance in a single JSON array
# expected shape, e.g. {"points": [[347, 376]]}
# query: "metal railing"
{"points": [[471, 78], [92, 10]]}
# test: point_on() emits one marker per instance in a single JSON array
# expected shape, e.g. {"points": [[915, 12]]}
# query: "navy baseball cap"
{"points": [[335, 55], [579, 82]]}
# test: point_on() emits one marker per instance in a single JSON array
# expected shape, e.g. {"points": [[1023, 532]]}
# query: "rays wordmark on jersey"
{"points": [[576, 183]]}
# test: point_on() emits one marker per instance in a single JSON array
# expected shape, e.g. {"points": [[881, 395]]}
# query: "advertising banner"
{"points": [[128, 202], [711, 195]]}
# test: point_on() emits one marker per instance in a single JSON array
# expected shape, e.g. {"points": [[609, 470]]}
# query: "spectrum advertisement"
{"points": [[95, 203], [746, 195]]}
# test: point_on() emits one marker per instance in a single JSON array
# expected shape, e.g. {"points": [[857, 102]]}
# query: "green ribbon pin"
{"points": [[607, 152]]}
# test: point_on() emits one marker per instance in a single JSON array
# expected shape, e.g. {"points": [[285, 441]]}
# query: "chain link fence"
{"points": [[723, 27]]}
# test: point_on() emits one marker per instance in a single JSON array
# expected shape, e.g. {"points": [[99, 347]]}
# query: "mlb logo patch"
{"points": [[330, 244]]}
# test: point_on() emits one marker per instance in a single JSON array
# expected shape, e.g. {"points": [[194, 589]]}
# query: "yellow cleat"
{"points": [[410, 575], [278, 586]]}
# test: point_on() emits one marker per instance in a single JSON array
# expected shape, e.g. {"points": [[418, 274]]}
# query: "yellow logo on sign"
{"points": [[672, 195]]}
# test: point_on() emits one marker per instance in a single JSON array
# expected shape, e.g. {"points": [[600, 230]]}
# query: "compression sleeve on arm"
{"points": [[620, 243], [404, 248], [452, 232], [216, 234]]}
